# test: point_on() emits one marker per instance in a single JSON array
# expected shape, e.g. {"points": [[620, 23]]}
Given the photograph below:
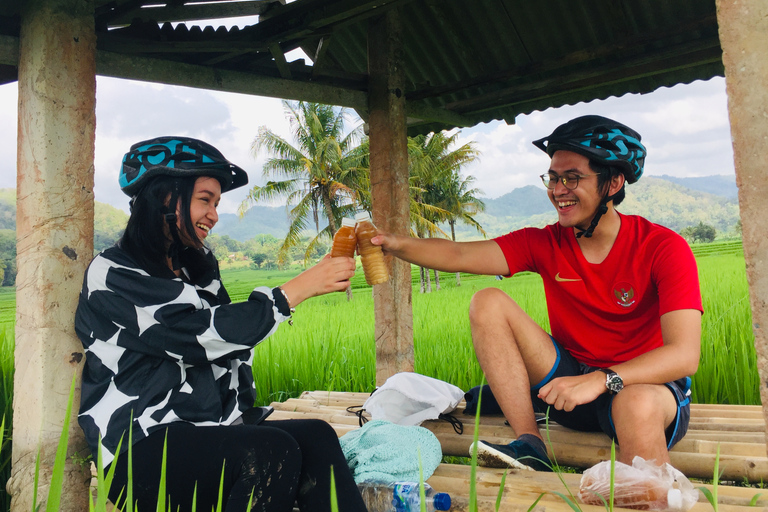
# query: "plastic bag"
{"points": [[641, 486]]}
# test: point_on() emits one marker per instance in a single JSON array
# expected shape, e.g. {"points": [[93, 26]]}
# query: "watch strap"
{"points": [[611, 376]]}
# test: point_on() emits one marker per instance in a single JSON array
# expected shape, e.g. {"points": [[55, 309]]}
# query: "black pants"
{"points": [[280, 462]]}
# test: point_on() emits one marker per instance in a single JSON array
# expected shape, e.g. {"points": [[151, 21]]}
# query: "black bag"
{"points": [[488, 404]]}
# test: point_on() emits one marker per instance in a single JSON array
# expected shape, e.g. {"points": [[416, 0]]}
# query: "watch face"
{"points": [[614, 383]]}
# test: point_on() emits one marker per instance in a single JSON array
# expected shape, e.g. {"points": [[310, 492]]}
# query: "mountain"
{"points": [[521, 202], [672, 202], [8, 208], [719, 185], [676, 206], [659, 199], [108, 222], [108, 225], [259, 220]]}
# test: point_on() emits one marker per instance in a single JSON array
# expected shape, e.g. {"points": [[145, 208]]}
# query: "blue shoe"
{"points": [[518, 454]]}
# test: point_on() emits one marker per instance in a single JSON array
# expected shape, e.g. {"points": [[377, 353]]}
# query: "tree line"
{"points": [[324, 173]]}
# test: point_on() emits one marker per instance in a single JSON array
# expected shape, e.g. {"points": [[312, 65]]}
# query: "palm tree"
{"points": [[462, 203], [322, 175], [435, 173]]}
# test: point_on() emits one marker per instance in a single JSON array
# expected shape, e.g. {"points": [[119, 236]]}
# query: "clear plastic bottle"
{"points": [[345, 240], [373, 258], [401, 497]]}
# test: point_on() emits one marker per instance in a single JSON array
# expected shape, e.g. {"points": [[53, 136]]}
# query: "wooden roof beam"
{"points": [[157, 70], [300, 20], [319, 55], [189, 12], [255, 58], [280, 62], [190, 75], [424, 113], [9, 50], [129, 45]]}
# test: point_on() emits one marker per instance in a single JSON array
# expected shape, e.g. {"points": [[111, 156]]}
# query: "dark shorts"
{"points": [[596, 416]]}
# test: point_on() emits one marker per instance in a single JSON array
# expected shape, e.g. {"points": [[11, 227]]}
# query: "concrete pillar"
{"points": [[744, 39], [389, 187], [54, 225]]}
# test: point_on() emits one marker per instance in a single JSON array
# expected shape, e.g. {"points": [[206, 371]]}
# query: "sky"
{"points": [[685, 129]]}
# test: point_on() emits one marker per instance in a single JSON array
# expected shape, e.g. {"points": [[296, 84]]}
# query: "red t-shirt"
{"points": [[608, 313]]}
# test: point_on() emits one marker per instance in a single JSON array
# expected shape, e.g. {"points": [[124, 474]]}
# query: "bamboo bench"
{"points": [[738, 430]]}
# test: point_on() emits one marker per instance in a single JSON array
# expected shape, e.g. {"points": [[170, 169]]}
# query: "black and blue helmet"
{"points": [[601, 139], [177, 156]]}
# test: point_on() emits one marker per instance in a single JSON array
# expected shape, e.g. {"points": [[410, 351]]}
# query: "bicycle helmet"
{"points": [[601, 139], [605, 141], [177, 156]]}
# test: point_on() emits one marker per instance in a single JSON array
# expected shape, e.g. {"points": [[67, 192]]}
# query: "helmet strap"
{"points": [[171, 218], [601, 210]]}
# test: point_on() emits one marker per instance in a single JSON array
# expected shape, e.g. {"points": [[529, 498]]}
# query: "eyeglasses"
{"points": [[570, 180]]}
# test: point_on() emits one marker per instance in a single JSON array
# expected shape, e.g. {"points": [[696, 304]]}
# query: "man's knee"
{"points": [[644, 404], [490, 304]]}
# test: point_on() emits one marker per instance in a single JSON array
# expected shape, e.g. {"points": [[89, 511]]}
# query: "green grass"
{"points": [[331, 346], [6, 407], [718, 248], [728, 368], [7, 304]]}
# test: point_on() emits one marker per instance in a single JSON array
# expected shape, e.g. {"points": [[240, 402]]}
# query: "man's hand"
{"points": [[565, 393], [478, 257], [388, 242]]}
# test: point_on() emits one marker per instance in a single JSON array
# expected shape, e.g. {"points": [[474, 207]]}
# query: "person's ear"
{"points": [[616, 183]]}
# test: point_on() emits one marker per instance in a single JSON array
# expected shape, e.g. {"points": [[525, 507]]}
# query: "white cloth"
{"points": [[409, 398]]}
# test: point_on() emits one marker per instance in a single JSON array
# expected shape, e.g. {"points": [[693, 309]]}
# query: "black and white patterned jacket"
{"points": [[164, 350]]}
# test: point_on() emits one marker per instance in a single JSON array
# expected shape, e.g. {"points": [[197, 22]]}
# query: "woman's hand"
{"points": [[328, 275]]}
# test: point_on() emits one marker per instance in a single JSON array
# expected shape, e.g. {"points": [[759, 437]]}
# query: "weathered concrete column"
{"points": [[389, 184], [744, 39], [54, 225]]}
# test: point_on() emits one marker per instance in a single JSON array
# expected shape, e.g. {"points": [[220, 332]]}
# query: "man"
{"points": [[623, 301]]}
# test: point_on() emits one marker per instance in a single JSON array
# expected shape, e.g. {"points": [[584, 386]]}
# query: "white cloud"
{"points": [[8, 130], [685, 129]]}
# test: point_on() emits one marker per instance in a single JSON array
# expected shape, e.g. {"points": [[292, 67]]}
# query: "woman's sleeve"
{"points": [[171, 319]]}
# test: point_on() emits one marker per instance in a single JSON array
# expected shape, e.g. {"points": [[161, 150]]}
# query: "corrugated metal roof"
{"points": [[482, 59]]}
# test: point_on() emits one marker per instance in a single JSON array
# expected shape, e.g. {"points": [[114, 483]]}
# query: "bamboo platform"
{"points": [[738, 430]]}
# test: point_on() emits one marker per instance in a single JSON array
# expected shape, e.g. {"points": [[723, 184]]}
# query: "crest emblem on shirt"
{"points": [[624, 295]]}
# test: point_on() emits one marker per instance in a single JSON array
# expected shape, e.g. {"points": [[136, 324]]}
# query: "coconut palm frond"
{"points": [[314, 243], [322, 164], [272, 190]]}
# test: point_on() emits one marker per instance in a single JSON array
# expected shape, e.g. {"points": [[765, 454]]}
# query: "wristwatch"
{"points": [[613, 382]]}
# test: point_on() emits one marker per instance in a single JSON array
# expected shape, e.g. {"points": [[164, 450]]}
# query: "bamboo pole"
{"points": [[338, 398], [737, 431]]}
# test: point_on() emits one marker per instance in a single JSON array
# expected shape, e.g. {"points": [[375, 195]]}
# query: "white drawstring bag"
{"points": [[408, 398]]}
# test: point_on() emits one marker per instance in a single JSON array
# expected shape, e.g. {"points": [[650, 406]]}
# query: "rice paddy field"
{"points": [[331, 344]]}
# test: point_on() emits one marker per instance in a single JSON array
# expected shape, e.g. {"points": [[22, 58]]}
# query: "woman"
{"points": [[169, 355]]}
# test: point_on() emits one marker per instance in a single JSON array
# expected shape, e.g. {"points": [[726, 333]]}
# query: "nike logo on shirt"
{"points": [[564, 279]]}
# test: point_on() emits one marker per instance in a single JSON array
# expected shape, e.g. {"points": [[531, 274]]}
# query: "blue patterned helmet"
{"points": [[601, 139], [177, 156]]}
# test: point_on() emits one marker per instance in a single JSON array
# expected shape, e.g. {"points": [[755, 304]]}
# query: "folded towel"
{"points": [[385, 452]]}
